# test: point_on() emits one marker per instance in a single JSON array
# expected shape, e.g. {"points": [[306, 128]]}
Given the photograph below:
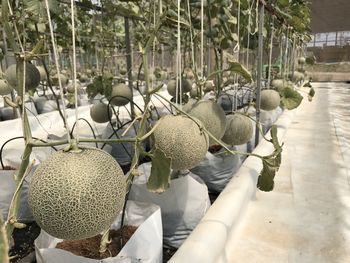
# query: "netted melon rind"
{"points": [[63, 77], [32, 76], [99, 112], [270, 100], [5, 88], [77, 195], [121, 94], [212, 116], [181, 140], [278, 84], [239, 130], [186, 86]]}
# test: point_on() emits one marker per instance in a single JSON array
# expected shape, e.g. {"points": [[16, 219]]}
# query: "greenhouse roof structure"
{"points": [[330, 16]]}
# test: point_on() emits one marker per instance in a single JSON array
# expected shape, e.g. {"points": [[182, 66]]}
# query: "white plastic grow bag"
{"points": [[183, 205], [7, 190], [144, 246], [216, 170]]}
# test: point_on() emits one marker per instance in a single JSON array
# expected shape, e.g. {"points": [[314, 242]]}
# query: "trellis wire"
{"points": [[57, 69]]}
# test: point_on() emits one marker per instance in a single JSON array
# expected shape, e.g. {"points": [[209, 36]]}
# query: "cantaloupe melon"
{"points": [[212, 116], [278, 83], [99, 112], [63, 77], [270, 99], [301, 60], [32, 76], [121, 94], [186, 86], [75, 195], [5, 88], [239, 130], [181, 140], [71, 88]]}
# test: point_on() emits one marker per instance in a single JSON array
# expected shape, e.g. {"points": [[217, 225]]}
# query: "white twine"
{"points": [[75, 74], [178, 59], [270, 52], [202, 39], [58, 70]]}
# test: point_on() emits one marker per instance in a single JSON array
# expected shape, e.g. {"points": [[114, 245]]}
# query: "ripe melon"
{"points": [[63, 77], [212, 116], [121, 94], [5, 88], [181, 140], [239, 130], [270, 99], [76, 195], [186, 86], [278, 84], [301, 60], [71, 89], [32, 76], [99, 112]]}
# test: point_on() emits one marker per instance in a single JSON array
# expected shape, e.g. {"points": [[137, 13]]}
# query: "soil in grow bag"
{"points": [[89, 247], [24, 242]]}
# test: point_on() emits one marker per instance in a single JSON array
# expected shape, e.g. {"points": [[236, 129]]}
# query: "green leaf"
{"points": [[238, 68], [266, 177], [290, 98], [311, 94], [159, 179], [271, 164]]}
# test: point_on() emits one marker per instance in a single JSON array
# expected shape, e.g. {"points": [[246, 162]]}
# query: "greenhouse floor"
{"points": [[307, 216]]}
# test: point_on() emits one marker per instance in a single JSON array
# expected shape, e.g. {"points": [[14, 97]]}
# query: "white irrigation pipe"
{"points": [[209, 240]]}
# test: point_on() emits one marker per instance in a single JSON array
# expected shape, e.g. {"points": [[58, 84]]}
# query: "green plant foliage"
{"points": [[311, 94], [271, 164], [236, 67], [159, 179], [290, 98], [101, 84]]}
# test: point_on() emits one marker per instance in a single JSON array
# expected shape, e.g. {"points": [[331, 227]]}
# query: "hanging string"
{"points": [[202, 39], [249, 32], [270, 51], [75, 74], [191, 34], [58, 70], [178, 94], [154, 43], [236, 49], [286, 53]]}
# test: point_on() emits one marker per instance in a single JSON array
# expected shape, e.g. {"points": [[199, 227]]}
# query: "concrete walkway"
{"points": [[307, 217]]}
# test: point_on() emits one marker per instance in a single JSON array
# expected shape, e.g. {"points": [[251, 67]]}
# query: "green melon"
{"points": [[32, 76], [186, 86], [270, 99], [301, 60], [99, 112], [279, 84], [5, 88], [63, 77], [121, 94], [239, 130], [212, 116], [76, 195], [181, 140], [71, 89]]}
